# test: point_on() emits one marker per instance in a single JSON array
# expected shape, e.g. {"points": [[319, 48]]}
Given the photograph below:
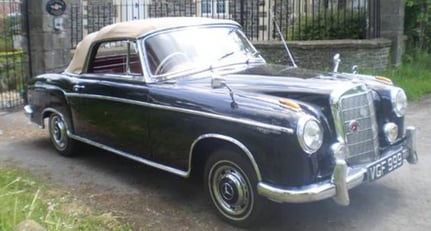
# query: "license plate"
{"points": [[385, 166]]}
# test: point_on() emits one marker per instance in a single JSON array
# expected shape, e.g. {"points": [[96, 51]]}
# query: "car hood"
{"points": [[279, 80], [287, 82]]}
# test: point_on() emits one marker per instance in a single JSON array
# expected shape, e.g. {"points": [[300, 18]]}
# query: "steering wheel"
{"points": [[167, 60]]}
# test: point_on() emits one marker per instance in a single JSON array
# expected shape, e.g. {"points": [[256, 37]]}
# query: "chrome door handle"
{"points": [[77, 87]]}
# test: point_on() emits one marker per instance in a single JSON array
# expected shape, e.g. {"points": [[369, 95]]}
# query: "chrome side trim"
{"points": [[230, 140], [187, 111], [130, 156], [115, 151], [182, 110]]}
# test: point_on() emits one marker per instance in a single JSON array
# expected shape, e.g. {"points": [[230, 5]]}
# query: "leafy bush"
{"points": [[413, 75], [342, 24], [10, 25], [417, 24], [11, 71]]}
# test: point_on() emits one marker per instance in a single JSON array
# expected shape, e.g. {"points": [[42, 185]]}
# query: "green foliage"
{"points": [[9, 26], [22, 198], [5, 44], [413, 75], [341, 24], [11, 71], [11, 61], [418, 24]]}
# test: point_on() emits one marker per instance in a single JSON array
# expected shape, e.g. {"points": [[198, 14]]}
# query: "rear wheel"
{"points": [[231, 185], [59, 137]]}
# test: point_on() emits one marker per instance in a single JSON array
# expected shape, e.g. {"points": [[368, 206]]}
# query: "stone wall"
{"points": [[50, 48], [392, 27], [367, 54]]}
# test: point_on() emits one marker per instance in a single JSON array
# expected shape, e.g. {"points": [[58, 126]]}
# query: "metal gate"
{"points": [[13, 54], [298, 19]]}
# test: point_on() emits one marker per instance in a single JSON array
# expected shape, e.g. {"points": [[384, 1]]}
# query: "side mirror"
{"points": [[218, 82], [337, 61]]}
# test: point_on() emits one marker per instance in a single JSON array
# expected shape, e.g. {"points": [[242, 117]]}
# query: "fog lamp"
{"points": [[391, 132]]}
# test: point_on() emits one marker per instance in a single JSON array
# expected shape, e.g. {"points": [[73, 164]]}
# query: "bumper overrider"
{"points": [[343, 177], [28, 111]]}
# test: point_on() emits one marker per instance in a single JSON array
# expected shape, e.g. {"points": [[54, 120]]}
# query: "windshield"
{"points": [[188, 49]]}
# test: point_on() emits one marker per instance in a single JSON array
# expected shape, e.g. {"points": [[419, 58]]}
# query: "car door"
{"points": [[109, 100]]}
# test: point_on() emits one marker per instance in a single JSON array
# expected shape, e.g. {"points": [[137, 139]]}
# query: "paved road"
{"points": [[156, 200]]}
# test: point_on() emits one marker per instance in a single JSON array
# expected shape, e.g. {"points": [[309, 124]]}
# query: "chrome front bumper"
{"points": [[343, 179]]}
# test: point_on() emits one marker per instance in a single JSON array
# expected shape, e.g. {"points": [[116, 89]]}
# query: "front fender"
{"points": [[45, 98]]}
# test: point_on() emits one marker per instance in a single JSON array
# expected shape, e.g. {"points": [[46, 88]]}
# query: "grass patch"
{"points": [[414, 75], [23, 198]]}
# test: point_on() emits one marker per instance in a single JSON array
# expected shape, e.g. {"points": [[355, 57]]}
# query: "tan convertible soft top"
{"points": [[132, 30]]}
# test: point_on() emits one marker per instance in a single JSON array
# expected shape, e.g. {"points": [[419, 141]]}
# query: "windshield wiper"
{"points": [[226, 55], [251, 57]]}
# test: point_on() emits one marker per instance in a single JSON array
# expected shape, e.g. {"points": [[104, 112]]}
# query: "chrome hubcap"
{"points": [[230, 189], [58, 133]]}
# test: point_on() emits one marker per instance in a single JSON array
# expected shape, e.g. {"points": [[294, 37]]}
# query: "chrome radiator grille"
{"points": [[357, 126]]}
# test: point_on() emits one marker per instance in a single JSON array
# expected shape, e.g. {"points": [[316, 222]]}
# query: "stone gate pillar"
{"points": [[392, 26], [50, 42]]}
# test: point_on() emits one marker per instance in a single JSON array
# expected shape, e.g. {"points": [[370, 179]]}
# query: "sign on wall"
{"points": [[56, 7]]}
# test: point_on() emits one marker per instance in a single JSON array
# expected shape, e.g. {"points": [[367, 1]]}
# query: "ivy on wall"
{"points": [[342, 24], [418, 24]]}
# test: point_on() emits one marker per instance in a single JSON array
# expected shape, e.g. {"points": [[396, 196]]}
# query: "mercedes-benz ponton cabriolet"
{"points": [[193, 96]]}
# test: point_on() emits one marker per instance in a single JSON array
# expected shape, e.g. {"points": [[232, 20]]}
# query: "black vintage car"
{"points": [[193, 96]]}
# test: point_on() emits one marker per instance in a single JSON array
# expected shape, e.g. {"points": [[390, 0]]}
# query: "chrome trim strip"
{"points": [[231, 140], [130, 156], [182, 110], [118, 152], [187, 111]]}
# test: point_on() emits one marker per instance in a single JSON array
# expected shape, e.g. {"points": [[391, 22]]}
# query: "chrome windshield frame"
{"points": [[151, 78]]}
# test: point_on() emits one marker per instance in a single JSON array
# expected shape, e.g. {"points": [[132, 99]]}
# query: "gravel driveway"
{"points": [[155, 200]]}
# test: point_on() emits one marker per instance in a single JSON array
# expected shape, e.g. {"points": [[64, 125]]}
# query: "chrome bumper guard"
{"points": [[28, 111], [343, 179]]}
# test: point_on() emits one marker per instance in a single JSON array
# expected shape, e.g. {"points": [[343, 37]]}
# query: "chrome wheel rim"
{"points": [[58, 132], [230, 190]]}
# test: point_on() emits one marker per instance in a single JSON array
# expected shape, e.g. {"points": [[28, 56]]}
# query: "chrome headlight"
{"points": [[310, 134], [399, 101]]}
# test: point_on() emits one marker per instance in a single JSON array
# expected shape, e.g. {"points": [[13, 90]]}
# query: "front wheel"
{"points": [[62, 143], [231, 185]]}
